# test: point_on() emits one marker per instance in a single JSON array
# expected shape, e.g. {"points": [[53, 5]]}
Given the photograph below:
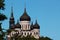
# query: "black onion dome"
{"points": [[25, 16], [17, 25], [36, 26]]}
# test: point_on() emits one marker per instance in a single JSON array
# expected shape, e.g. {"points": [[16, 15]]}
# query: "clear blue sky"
{"points": [[47, 12]]}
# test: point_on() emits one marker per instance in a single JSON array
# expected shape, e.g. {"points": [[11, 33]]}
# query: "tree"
{"points": [[2, 4], [2, 18], [45, 38]]}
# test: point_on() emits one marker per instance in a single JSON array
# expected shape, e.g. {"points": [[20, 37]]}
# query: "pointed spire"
{"points": [[25, 16], [24, 10], [36, 22], [12, 21], [11, 11], [25, 7], [36, 25]]}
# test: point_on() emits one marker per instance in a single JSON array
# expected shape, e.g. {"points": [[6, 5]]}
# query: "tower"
{"points": [[11, 21], [25, 21], [36, 28]]}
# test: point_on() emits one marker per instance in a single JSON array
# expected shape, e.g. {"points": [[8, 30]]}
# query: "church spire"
{"points": [[25, 16], [11, 11], [36, 22], [12, 21], [25, 7], [25, 10], [36, 25]]}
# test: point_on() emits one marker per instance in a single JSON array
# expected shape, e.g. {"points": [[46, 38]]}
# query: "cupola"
{"points": [[25, 16]]}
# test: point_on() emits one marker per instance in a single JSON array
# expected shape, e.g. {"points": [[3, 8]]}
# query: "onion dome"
{"points": [[25, 16], [36, 25], [17, 25]]}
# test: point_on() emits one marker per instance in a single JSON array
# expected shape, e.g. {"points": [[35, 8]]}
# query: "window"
{"points": [[28, 27], [25, 33], [36, 33], [22, 33]]}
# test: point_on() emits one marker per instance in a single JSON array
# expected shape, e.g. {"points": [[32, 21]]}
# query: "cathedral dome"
{"points": [[17, 25], [36, 26], [25, 16]]}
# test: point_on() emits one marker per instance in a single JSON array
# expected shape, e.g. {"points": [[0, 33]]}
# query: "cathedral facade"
{"points": [[23, 26]]}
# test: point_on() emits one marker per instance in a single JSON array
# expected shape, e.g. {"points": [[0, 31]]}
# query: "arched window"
{"points": [[36, 33], [28, 33], [22, 33], [25, 33], [28, 26]]}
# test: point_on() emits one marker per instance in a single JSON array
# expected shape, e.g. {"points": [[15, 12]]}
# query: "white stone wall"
{"points": [[36, 33], [25, 25], [25, 33]]}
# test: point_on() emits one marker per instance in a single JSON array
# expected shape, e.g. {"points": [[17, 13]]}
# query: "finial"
{"points": [[25, 6], [25, 3], [11, 11], [36, 21], [11, 8]]}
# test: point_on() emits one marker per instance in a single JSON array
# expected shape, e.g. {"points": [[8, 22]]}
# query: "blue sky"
{"points": [[47, 12]]}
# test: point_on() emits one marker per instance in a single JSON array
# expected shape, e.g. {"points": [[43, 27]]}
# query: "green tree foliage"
{"points": [[2, 34], [2, 4], [2, 18], [45, 38]]}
